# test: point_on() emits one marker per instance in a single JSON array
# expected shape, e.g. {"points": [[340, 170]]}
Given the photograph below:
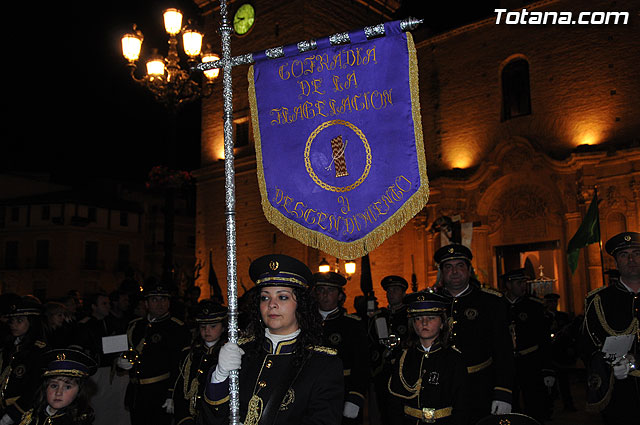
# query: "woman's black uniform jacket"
{"points": [[274, 391]]}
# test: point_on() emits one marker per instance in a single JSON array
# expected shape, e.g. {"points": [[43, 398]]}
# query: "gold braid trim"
{"points": [[631, 329], [254, 411], [4, 380], [415, 389], [604, 401], [192, 396], [187, 372], [26, 418], [140, 346], [189, 390]]}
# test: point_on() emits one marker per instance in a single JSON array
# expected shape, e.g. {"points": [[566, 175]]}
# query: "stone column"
{"points": [[577, 284]]}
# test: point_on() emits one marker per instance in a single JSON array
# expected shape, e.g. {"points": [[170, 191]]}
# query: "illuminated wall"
{"points": [[524, 179], [583, 89]]}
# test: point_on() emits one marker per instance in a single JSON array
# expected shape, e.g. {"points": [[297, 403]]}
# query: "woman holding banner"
{"points": [[285, 376]]}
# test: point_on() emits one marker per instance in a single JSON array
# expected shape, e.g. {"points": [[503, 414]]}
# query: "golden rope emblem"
{"points": [[254, 411], [307, 159]]}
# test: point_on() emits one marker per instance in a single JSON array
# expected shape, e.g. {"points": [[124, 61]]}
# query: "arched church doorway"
{"points": [[536, 258]]}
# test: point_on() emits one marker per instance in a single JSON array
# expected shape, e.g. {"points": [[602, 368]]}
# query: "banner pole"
{"points": [[230, 204], [226, 64], [307, 45], [604, 281]]}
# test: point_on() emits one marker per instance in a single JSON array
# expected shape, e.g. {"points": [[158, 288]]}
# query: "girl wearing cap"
{"points": [[285, 377], [428, 379], [21, 352], [210, 318], [61, 399]]}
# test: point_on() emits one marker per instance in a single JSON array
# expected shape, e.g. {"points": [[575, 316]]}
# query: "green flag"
{"points": [[588, 233]]}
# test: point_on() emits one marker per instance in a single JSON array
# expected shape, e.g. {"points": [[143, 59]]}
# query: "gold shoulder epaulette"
{"points": [[325, 350], [245, 340], [178, 321], [353, 316], [40, 344], [491, 291], [595, 291], [536, 299]]}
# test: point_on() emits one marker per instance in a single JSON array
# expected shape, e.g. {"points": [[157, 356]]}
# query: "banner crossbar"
{"points": [[337, 39]]}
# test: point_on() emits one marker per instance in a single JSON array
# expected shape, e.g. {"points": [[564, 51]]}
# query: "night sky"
{"points": [[76, 113]]}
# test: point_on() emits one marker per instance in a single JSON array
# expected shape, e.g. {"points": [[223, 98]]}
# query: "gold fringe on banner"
{"points": [[366, 244]]}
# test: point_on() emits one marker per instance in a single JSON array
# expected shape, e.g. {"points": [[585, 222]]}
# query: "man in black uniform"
{"points": [[155, 342], [346, 333], [108, 398], [480, 331], [614, 311], [530, 337], [392, 321]]}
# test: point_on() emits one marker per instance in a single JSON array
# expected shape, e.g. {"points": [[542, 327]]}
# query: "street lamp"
{"points": [[324, 266], [173, 87], [349, 267], [170, 84]]}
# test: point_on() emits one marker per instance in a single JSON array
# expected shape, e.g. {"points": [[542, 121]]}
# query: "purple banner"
{"points": [[341, 162]]}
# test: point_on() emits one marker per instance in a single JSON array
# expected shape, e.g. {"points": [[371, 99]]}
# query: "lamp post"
{"points": [[349, 267], [172, 86]]}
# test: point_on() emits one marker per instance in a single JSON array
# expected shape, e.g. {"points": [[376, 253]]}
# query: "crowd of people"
{"points": [[458, 353]]}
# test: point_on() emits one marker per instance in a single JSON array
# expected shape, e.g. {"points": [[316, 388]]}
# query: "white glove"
{"points": [[621, 368], [168, 406], [6, 420], [123, 363], [229, 358], [549, 381], [350, 410], [500, 407]]}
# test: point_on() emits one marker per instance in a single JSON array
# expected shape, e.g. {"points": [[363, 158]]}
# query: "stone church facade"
{"points": [[521, 124]]}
